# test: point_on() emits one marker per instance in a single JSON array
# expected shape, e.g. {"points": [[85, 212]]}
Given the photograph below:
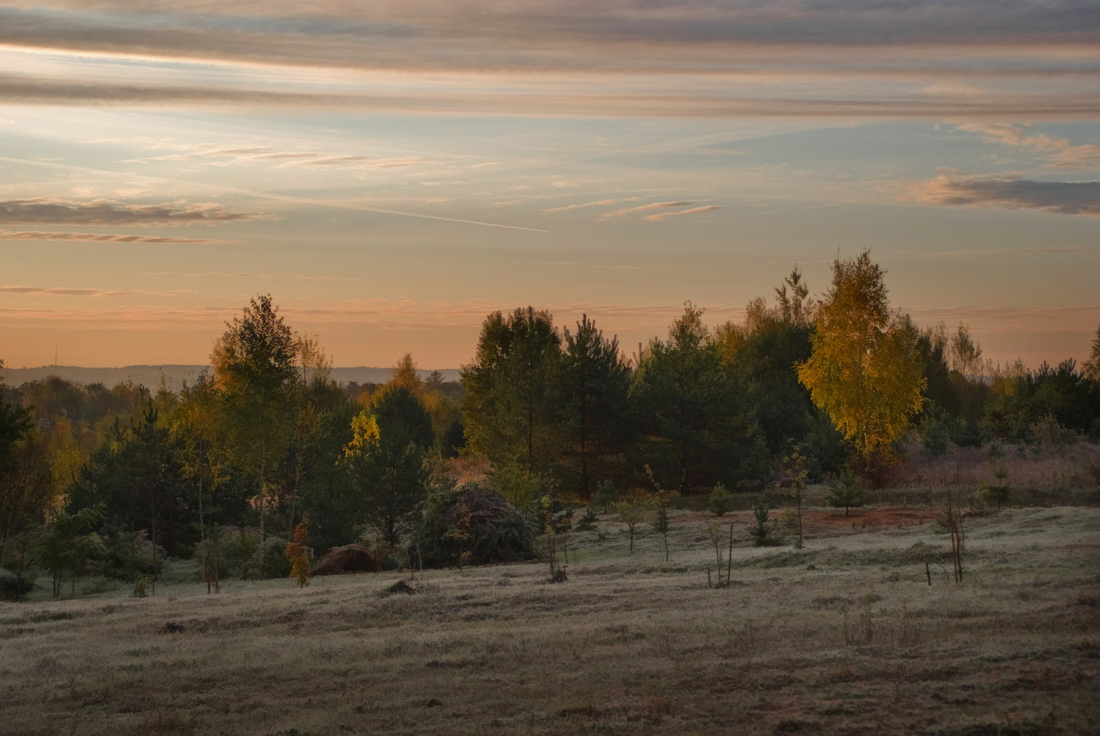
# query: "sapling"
{"points": [[720, 501], [660, 524], [761, 531], [999, 493], [606, 495], [846, 492], [632, 511], [792, 479]]}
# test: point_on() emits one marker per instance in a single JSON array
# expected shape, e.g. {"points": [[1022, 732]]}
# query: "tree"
{"points": [[512, 404], [1092, 366], [965, 354], [795, 307], [763, 352], [254, 367], [863, 371], [595, 386], [386, 459], [695, 422], [67, 544], [25, 480], [792, 479], [194, 428], [633, 510], [139, 482]]}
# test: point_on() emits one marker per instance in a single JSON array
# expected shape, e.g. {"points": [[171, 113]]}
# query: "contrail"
{"points": [[275, 197]]}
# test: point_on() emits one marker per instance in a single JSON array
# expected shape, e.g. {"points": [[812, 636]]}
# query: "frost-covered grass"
{"points": [[843, 636]]}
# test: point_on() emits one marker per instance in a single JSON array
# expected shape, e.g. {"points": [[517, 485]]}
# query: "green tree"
{"points": [[763, 352], [255, 369], [386, 459], [697, 429], [864, 371], [139, 482], [25, 479], [512, 405], [1092, 365], [67, 544], [595, 387]]}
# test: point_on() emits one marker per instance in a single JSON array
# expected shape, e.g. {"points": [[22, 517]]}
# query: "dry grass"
{"points": [[845, 636], [1038, 474]]}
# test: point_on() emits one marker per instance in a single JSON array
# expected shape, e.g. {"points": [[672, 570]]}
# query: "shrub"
{"points": [[471, 525], [129, 555], [15, 587], [298, 554], [720, 501], [588, 520]]}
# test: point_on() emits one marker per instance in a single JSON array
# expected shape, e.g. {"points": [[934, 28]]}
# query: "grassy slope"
{"points": [[845, 636]]}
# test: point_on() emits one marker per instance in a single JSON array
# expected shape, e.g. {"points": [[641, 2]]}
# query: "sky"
{"points": [[390, 172]]}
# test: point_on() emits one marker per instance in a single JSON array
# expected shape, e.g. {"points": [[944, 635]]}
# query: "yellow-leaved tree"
{"points": [[863, 371]]}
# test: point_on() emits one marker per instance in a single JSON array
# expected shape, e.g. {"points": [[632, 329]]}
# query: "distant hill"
{"points": [[174, 375]]}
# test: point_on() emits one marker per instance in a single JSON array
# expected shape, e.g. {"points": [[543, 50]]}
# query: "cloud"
{"points": [[60, 291], [68, 291], [228, 155], [560, 57], [693, 211], [643, 208], [257, 275], [107, 212], [569, 207], [991, 252], [105, 238], [952, 188], [1058, 152], [948, 88]]}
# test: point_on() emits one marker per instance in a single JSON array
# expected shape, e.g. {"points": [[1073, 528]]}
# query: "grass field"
{"points": [[845, 636]]}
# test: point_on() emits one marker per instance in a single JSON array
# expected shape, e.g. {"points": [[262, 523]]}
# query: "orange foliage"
{"points": [[298, 553]]}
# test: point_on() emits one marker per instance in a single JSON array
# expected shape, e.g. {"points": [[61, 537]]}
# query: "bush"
{"points": [[129, 555], [275, 562], [588, 520], [15, 587], [720, 501], [471, 526]]}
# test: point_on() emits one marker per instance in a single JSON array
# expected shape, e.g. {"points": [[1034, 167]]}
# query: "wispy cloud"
{"points": [[582, 205], [105, 238], [692, 211], [258, 275], [643, 208], [952, 188], [69, 291], [107, 212], [229, 155], [1059, 152]]}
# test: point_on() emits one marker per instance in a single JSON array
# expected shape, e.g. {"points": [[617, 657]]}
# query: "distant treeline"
{"points": [[246, 449]]}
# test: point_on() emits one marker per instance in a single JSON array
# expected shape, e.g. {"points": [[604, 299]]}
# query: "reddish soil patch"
{"points": [[871, 517]]}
